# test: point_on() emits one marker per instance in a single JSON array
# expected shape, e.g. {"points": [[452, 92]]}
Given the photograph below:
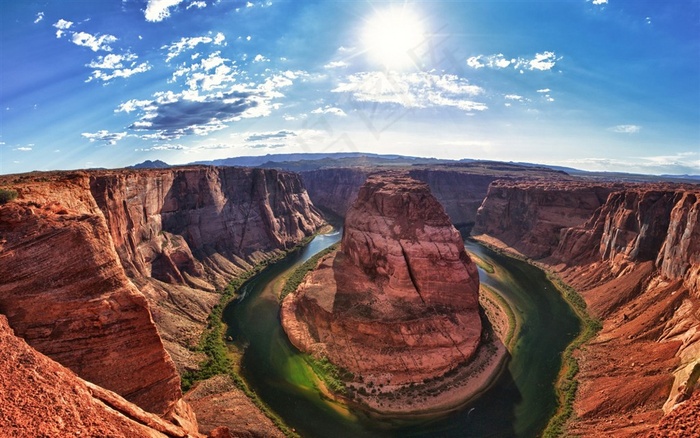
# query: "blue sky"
{"points": [[592, 84]]}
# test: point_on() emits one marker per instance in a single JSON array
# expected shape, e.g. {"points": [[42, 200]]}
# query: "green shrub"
{"points": [[7, 195]]}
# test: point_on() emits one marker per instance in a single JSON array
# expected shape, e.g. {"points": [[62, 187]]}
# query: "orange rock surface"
{"points": [[398, 304], [635, 258]]}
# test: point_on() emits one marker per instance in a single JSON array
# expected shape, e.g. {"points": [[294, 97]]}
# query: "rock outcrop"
{"points": [[398, 304], [90, 260], [183, 233], [64, 291], [635, 259], [40, 397]]}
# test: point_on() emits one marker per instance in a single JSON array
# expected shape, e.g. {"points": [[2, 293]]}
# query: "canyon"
{"points": [[397, 304], [109, 276], [113, 274]]}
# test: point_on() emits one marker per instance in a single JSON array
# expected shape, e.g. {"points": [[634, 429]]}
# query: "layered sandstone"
{"points": [[40, 397], [183, 233], [89, 260], [398, 304], [635, 259], [64, 291]]}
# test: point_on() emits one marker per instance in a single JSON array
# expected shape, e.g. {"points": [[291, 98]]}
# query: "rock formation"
{"points": [[40, 397], [89, 260], [182, 233], [398, 304], [64, 291], [635, 257]]}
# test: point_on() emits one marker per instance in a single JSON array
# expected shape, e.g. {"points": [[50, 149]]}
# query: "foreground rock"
{"points": [[39, 397], [635, 258], [398, 304]]}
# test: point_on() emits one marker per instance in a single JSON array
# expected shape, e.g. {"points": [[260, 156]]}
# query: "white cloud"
{"points": [[39, 17], [249, 5], [260, 58], [600, 2], [197, 4], [544, 90], [413, 90], [159, 10], [336, 64], [626, 129], [541, 61], [163, 147], [173, 115], [94, 42], [113, 66], [62, 25], [329, 110], [23, 149], [513, 97], [111, 138], [177, 48]]}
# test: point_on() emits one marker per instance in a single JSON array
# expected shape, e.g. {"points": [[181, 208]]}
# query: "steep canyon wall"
{"points": [[633, 251]]}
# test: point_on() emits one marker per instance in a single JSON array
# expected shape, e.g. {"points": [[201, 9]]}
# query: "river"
{"points": [[518, 405]]}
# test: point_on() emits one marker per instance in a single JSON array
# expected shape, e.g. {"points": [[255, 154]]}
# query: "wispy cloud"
{"points": [[94, 42], [113, 66], [264, 136], [336, 64], [61, 26], [544, 90], [39, 17], [185, 43], [163, 147], [329, 110], [541, 62], [626, 129], [23, 148], [159, 10], [514, 97], [600, 2], [110, 138], [413, 90], [197, 4]]}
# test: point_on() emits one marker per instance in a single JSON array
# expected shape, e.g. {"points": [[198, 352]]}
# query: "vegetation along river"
{"points": [[519, 404]]}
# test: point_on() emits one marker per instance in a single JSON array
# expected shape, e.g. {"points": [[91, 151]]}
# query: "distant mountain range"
{"points": [[299, 162]]}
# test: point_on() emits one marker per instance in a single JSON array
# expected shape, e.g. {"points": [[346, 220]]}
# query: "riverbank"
{"points": [[567, 381]]}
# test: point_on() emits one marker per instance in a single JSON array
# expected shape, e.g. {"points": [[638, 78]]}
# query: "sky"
{"points": [[594, 84]]}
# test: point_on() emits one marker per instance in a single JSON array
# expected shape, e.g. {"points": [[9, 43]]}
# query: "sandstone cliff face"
{"points": [[399, 303], [182, 233], [40, 397], [335, 189], [65, 292], [635, 260], [85, 257], [529, 215]]}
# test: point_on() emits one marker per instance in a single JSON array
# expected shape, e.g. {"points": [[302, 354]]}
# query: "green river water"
{"points": [[518, 405]]}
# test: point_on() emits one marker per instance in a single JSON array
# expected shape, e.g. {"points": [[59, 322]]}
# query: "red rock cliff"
{"points": [[182, 233], [65, 292], [636, 260], [40, 397], [399, 303]]}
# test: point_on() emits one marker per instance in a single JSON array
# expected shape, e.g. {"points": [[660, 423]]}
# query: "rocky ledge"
{"points": [[397, 305]]}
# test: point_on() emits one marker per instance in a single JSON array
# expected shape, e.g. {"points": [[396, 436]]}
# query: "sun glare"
{"points": [[392, 36]]}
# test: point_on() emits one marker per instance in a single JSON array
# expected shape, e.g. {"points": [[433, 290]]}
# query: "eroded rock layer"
{"points": [[398, 304], [636, 260], [40, 397]]}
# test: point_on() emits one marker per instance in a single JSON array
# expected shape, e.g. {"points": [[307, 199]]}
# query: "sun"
{"points": [[392, 36]]}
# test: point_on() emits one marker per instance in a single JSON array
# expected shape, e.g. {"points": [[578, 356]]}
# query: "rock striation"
{"points": [[398, 303], [40, 397], [102, 269], [64, 291], [183, 233], [635, 259]]}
